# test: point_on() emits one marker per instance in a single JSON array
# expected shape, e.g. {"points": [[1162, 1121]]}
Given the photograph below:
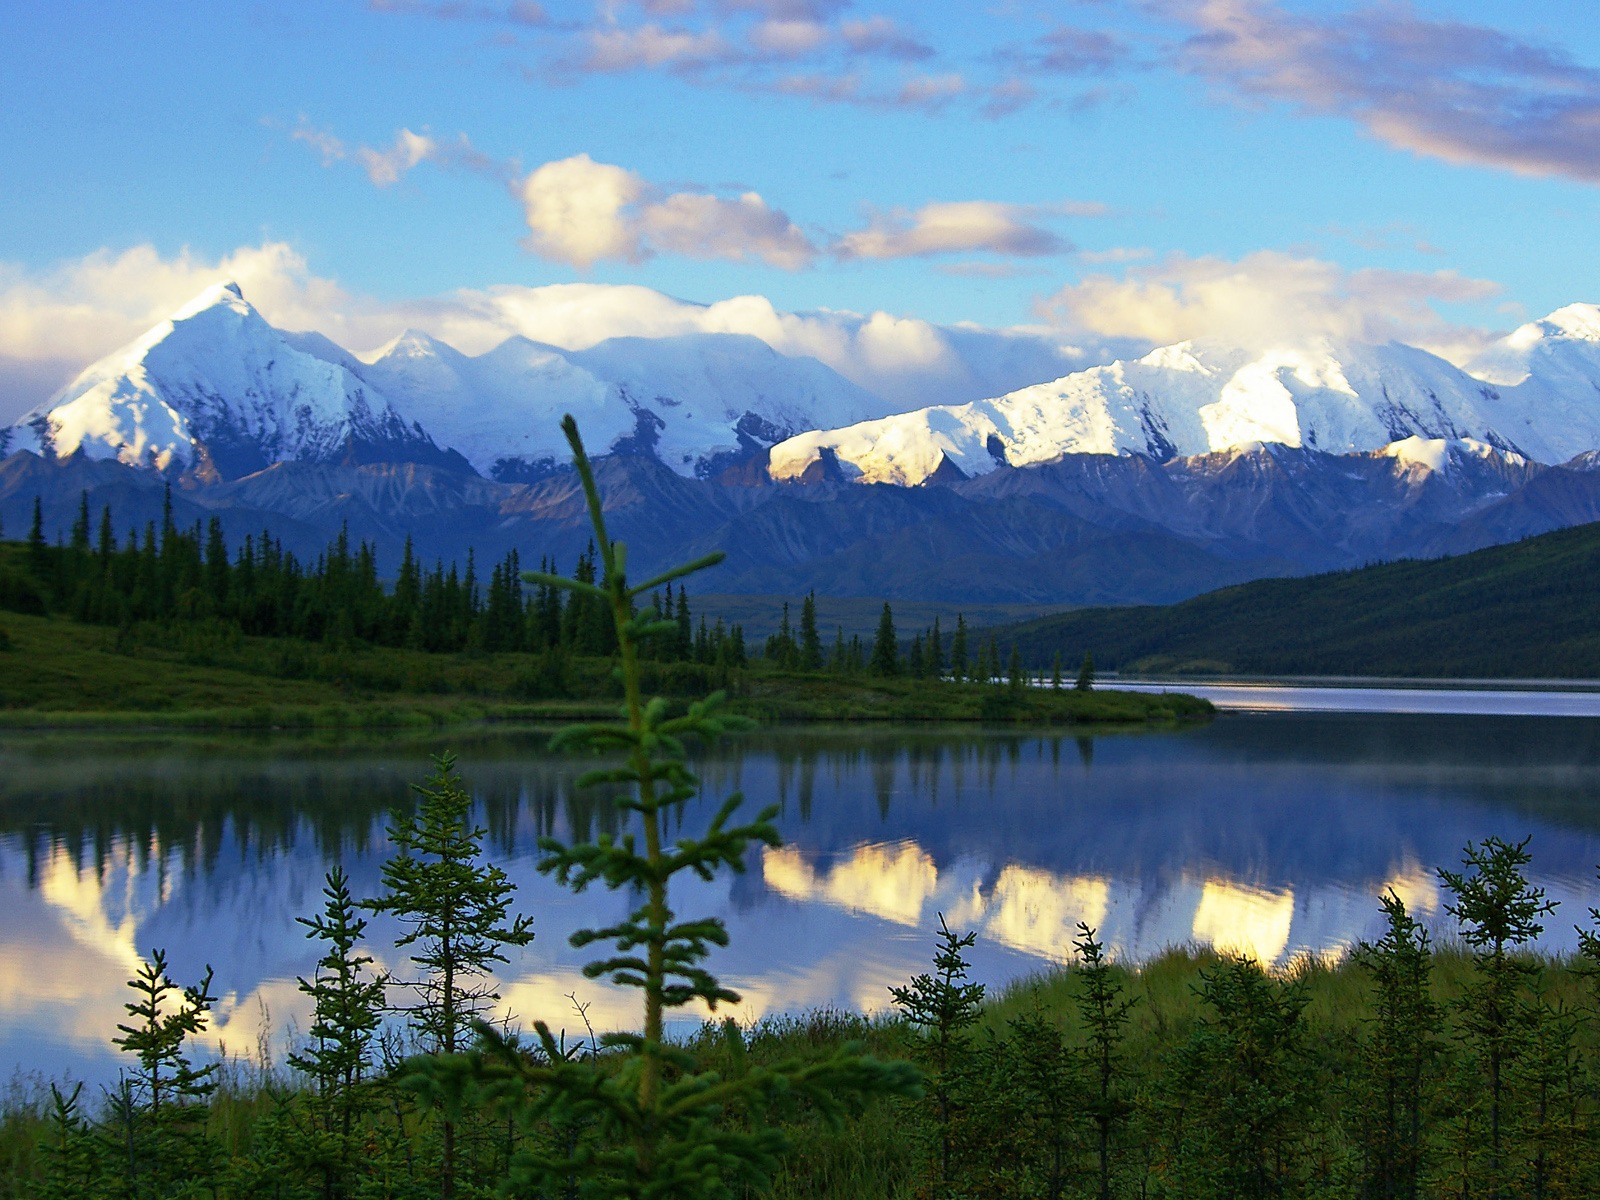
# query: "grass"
{"points": [[58, 673]]}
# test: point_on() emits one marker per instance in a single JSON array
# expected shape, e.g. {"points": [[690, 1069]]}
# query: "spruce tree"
{"points": [[935, 652], [943, 1006], [347, 1009], [649, 1124], [885, 646], [810, 640], [958, 650], [1242, 1088], [1396, 1052], [163, 1102], [1104, 1012], [455, 908], [1499, 913], [1055, 672], [1085, 682]]}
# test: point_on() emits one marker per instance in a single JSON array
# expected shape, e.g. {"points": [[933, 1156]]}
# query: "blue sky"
{"points": [[1105, 174]]}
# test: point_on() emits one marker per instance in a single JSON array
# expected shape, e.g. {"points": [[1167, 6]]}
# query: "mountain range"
{"points": [[1195, 466]]}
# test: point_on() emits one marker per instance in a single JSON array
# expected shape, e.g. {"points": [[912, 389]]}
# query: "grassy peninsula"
{"points": [[59, 672]]}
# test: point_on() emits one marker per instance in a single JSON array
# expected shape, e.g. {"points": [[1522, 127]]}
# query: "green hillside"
{"points": [[1526, 610]]}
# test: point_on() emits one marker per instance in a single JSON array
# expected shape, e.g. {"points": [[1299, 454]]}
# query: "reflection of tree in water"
{"points": [[188, 801], [1085, 752]]}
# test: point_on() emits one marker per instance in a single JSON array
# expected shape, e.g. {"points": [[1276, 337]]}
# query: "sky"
{"points": [[936, 199]]}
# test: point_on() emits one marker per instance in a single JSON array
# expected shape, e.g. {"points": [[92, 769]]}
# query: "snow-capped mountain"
{"points": [[216, 389], [1538, 397], [693, 400]]}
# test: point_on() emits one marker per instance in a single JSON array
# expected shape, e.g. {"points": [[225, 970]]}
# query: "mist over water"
{"points": [[1270, 834]]}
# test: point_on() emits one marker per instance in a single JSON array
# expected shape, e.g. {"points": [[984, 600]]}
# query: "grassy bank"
{"points": [[60, 673], [1300, 1054]]}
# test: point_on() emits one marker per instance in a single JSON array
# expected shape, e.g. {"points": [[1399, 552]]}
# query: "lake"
{"points": [[1270, 833]]}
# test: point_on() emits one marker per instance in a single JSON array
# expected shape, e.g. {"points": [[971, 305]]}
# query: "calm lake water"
{"points": [[1271, 833]]}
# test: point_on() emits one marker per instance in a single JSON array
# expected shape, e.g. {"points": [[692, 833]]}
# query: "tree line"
{"points": [[168, 574], [172, 574]]}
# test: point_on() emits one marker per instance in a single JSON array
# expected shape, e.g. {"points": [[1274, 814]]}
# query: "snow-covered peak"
{"points": [[1197, 397], [1580, 321], [412, 343], [689, 399], [213, 386], [227, 295]]}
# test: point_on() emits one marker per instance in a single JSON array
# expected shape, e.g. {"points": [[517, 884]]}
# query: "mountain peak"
{"points": [[1581, 321], [227, 294]]}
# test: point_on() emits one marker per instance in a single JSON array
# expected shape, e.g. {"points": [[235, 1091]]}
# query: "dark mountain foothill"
{"points": [[1084, 530]]}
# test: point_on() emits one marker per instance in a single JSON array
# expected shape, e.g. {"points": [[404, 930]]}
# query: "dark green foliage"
{"points": [[810, 640], [159, 1108], [455, 908], [1397, 1056], [1242, 1094], [1104, 1011], [1531, 609], [348, 1007], [958, 649], [638, 1119], [1085, 681], [885, 645], [944, 1006], [1499, 913]]}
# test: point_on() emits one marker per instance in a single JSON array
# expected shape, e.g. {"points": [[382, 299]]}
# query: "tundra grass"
{"points": [[55, 673]]}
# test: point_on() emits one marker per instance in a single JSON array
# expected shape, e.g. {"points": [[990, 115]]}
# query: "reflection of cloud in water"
{"points": [[859, 973], [1038, 911], [81, 897], [1244, 920], [1417, 887], [1027, 908], [892, 882]]}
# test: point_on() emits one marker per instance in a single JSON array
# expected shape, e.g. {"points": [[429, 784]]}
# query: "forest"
{"points": [[1530, 609]]}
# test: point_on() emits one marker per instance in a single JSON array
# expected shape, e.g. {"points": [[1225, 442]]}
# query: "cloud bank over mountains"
{"points": [[55, 321]]}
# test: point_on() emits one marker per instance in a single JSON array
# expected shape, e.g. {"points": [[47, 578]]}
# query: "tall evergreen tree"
{"points": [[1399, 1045], [455, 908], [1499, 912], [1085, 681], [347, 1007], [958, 649], [1104, 1011], [651, 1126], [885, 645], [163, 1103], [810, 641], [944, 1006]]}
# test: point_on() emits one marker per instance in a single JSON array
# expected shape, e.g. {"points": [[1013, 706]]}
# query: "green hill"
{"points": [[1526, 610]]}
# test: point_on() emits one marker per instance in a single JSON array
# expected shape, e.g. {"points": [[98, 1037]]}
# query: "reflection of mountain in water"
{"points": [[1268, 835]]}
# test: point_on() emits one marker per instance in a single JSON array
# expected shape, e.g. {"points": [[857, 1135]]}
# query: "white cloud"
{"points": [[1268, 297], [82, 309], [954, 228], [576, 211], [388, 165], [580, 211], [54, 322], [1444, 88], [384, 167]]}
